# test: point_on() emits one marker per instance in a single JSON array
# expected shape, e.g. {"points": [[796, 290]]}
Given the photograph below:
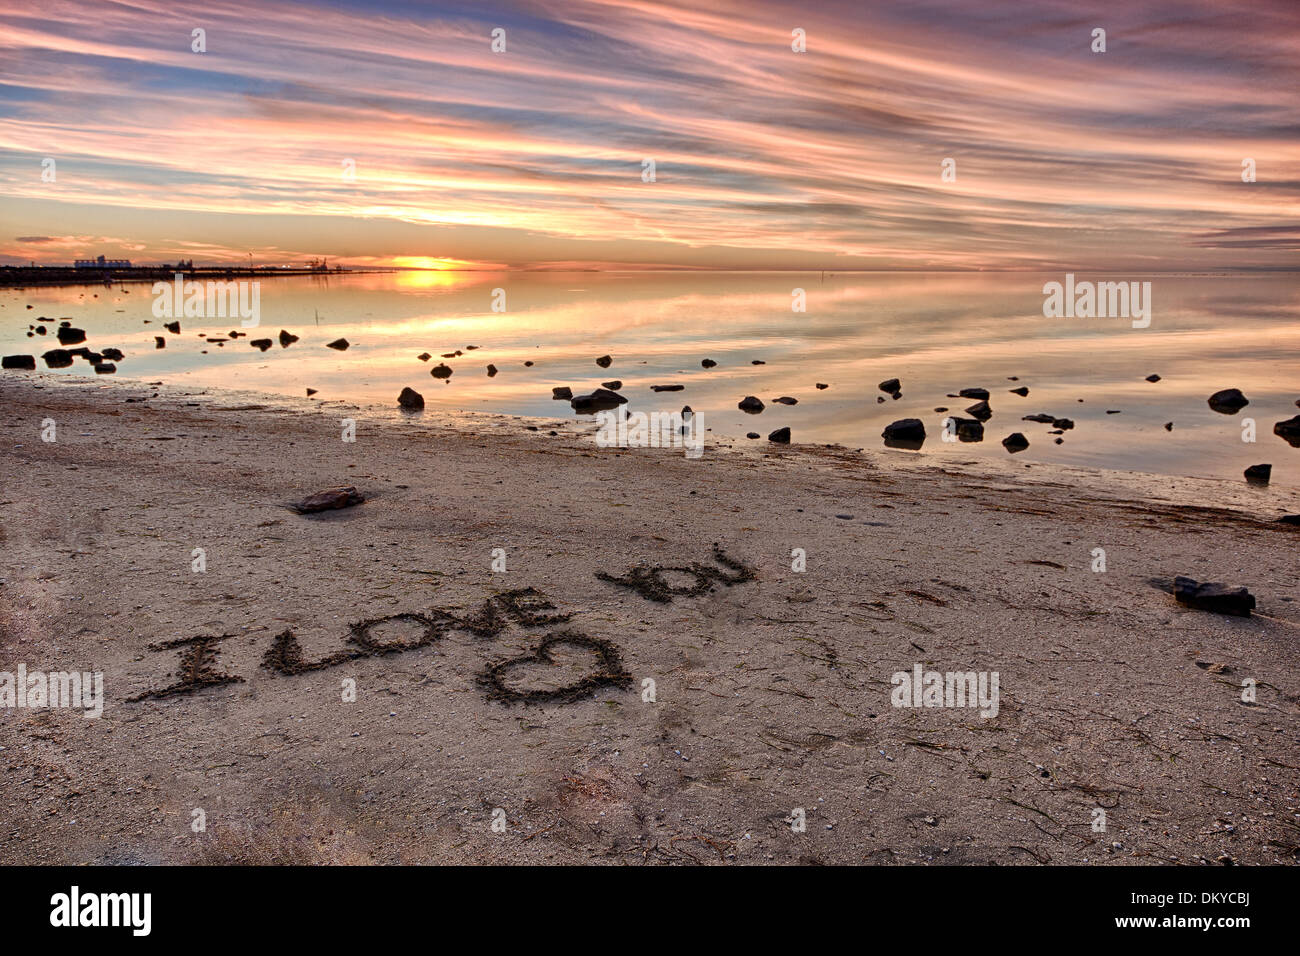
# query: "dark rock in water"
{"points": [[1060, 441], [751, 405], [980, 411], [1259, 474], [339, 344], [491, 370], [1229, 401], [330, 500], [528, 364], [981, 393], [1021, 391], [311, 392], [105, 368], [613, 386], [757, 362], [1112, 411], [1064, 424], [1153, 378], [262, 344], [1289, 431], [904, 433], [26, 363], [441, 371], [57, 358], [424, 356], [666, 388], [41, 330], [781, 436], [1015, 442], [410, 398], [880, 399], [602, 399], [1209, 596], [562, 392], [890, 386], [1290, 519], [708, 363], [1041, 417], [1169, 426], [470, 348], [287, 339], [823, 385], [785, 400], [604, 361], [753, 435], [450, 354], [173, 327], [113, 354], [968, 429], [70, 336], [159, 342]]}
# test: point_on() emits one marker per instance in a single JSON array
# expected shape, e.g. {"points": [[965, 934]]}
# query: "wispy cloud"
{"points": [[764, 157]]}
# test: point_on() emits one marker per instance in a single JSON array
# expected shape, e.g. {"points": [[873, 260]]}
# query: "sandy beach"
{"points": [[548, 714]]}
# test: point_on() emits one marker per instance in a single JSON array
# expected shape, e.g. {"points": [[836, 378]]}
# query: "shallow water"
{"points": [[937, 332]]}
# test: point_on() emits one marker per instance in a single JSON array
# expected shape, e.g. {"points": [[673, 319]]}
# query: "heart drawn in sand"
{"points": [[609, 671]]}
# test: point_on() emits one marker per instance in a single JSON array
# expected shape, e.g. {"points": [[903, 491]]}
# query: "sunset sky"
{"points": [[765, 158]]}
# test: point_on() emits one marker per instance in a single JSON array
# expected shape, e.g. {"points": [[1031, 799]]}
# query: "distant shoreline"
{"points": [[18, 277]]}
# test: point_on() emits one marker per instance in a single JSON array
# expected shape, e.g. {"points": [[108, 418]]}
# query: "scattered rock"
{"points": [[980, 411], [528, 364], [26, 363], [339, 344], [891, 386], [105, 368], [491, 370], [968, 429], [1289, 431], [823, 385], [604, 361], [980, 393], [1229, 401], [562, 393], [424, 356], [613, 386], [159, 342], [666, 388], [1015, 442], [753, 435], [1209, 596], [1290, 519], [70, 336], [311, 392], [941, 408], [785, 400], [781, 436], [441, 371], [113, 354], [904, 433], [287, 339], [57, 358], [1112, 411], [262, 344], [173, 327], [1022, 391], [410, 398], [1153, 377], [601, 399], [708, 363], [751, 405], [330, 500], [1169, 426], [1259, 474]]}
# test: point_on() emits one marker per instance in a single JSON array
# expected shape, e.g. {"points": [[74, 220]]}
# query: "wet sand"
{"points": [[771, 695]]}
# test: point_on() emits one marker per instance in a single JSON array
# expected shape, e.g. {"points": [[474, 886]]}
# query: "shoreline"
{"points": [[771, 693]]}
